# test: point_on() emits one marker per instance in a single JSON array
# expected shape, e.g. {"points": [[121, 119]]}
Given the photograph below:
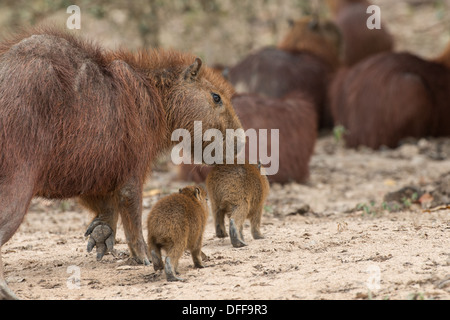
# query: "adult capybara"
{"points": [[359, 42], [238, 191], [295, 118], [304, 61], [79, 121], [176, 223], [391, 96]]}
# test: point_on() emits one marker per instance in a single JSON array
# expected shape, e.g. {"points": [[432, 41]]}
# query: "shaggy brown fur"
{"points": [[392, 96], [359, 42], [176, 223], [296, 120], [239, 192], [77, 121], [304, 65]]}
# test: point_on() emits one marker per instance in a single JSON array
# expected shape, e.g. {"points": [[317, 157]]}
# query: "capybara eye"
{"points": [[217, 99]]}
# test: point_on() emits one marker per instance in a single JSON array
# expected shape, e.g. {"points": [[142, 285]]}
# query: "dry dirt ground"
{"points": [[334, 238]]}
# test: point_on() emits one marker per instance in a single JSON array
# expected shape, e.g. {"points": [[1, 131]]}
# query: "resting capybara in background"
{"points": [[392, 96], [79, 121], [176, 223], [359, 42], [238, 191], [303, 62], [295, 118]]}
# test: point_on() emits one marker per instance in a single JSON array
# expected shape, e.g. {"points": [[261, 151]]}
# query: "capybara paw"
{"points": [[257, 236], [235, 241], [157, 262], [220, 232], [100, 236]]}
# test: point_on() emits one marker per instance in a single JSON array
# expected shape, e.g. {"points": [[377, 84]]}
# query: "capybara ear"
{"points": [[197, 193], [192, 71]]}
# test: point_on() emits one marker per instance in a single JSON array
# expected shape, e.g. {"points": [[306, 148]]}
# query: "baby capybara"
{"points": [[303, 62], [176, 223], [238, 191], [80, 121], [359, 42], [295, 118], [392, 96]]}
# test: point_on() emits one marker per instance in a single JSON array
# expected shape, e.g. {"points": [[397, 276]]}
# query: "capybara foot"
{"points": [[220, 231], [100, 236], [257, 235], [138, 252], [168, 269], [5, 292], [157, 262], [235, 241]]}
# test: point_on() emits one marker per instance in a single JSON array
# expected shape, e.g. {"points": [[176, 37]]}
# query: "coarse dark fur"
{"points": [[392, 96]]}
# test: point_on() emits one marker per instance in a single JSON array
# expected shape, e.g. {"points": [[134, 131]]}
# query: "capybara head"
{"points": [[321, 38], [193, 93], [197, 193]]}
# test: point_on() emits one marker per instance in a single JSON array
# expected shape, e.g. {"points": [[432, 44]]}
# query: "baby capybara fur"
{"points": [[176, 223], [238, 191], [80, 121], [295, 118], [303, 62], [359, 42], [392, 96]]}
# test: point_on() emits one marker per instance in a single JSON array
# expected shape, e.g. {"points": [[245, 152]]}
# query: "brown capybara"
{"points": [[176, 223], [359, 42], [392, 96], [295, 118], [80, 121], [304, 62], [238, 191]]}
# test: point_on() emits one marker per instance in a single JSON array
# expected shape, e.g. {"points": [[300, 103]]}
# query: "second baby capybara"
{"points": [[392, 96], [80, 121], [176, 223], [238, 191]]}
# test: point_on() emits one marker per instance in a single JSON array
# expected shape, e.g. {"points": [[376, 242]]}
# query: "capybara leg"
{"points": [[157, 262], [255, 224], [169, 270], [5, 292], [219, 221], [102, 229], [15, 197], [234, 236], [196, 254], [130, 207]]}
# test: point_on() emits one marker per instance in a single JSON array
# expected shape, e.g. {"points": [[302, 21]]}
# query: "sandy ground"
{"points": [[345, 246]]}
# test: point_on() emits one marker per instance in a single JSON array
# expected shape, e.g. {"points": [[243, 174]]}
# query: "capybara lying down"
{"points": [[238, 191], [392, 96], [79, 121], [295, 118], [176, 223], [304, 61], [359, 42]]}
